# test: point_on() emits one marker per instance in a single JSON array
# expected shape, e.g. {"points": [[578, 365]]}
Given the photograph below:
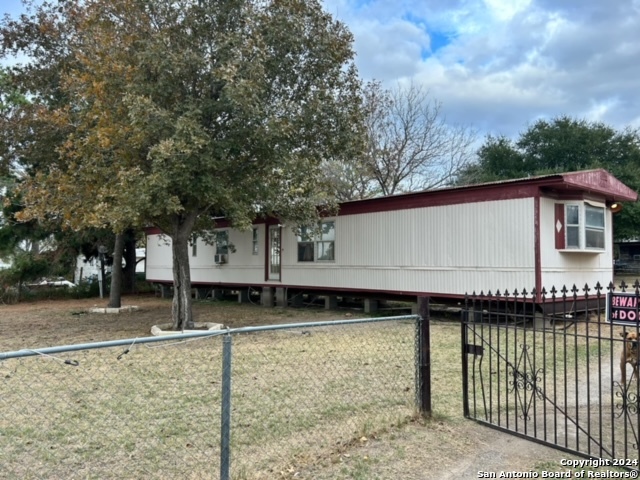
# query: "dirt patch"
{"points": [[440, 450]]}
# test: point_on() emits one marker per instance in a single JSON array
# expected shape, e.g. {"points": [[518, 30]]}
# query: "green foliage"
{"points": [[562, 145], [499, 160], [10, 97], [25, 266], [199, 109], [191, 106]]}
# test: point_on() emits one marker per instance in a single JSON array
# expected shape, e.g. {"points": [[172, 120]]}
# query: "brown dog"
{"points": [[629, 354]]}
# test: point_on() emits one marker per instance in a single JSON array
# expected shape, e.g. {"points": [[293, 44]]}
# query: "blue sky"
{"points": [[499, 65]]}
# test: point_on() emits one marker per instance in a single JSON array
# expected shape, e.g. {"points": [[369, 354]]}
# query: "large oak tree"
{"points": [[174, 112]]}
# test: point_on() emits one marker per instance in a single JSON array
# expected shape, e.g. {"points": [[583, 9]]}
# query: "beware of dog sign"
{"points": [[622, 308]]}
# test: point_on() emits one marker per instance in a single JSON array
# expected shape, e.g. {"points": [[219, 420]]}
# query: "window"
{"points": [[594, 226], [584, 227], [305, 246], [194, 247], [255, 241], [222, 242], [573, 226], [317, 244]]}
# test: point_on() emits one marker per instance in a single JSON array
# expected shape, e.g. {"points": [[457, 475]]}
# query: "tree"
{"points": [[200, 109], [26, 145], [410, 146], [561, 145], [19, 242], [498, 159]]}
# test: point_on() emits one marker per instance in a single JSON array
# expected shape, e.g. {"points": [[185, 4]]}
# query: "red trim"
{"points": [[356, 292], [153, 231], [599, 182], [536, 248], [559, 233], [267, 250], [437, 198], [556, 195], [573, 184]]}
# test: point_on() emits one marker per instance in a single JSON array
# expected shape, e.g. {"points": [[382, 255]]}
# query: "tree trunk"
{"points": [[181, 309], [115, 292], [19, 290], [129, 271]]}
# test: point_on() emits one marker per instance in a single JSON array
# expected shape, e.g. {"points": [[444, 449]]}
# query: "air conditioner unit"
{"points": [[220, 258]]}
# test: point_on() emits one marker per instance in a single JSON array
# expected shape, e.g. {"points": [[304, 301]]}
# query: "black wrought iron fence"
{"points": [[556, 366]]}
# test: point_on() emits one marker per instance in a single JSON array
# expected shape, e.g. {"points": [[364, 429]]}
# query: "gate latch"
{"points": [[476, 350]]}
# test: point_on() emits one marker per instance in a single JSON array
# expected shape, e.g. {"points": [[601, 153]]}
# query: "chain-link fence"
{"points": [[257, 402]]}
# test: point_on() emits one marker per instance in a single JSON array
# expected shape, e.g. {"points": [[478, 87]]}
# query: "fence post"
{"points": [[424, 352], [225, 413], [464, 324]]}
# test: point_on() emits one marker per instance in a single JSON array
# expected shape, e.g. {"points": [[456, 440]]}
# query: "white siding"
{"points": [[159, 261], [568, 268], [449, 249], [452, 249], [242, 267]]}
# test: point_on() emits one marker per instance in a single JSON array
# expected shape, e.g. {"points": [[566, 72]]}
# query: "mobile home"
{"points": [[525, 233]]}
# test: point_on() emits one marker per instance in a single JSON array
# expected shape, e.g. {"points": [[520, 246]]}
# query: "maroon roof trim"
{"points": [[437, 198], [600, 182], [538, 261]]}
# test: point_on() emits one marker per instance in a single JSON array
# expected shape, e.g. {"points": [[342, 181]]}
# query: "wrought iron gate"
{"points": [[549, 371]]}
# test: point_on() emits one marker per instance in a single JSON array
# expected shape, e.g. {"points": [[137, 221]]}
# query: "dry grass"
{"points": [[63, 322], [331, 403], [300, 397]]}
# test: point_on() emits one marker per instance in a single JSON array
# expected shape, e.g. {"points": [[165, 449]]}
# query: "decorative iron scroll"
{"points": [[525, 379], [629, 406]]}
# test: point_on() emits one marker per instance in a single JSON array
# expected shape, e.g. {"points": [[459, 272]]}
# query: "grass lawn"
{"points": [[324, 403]]}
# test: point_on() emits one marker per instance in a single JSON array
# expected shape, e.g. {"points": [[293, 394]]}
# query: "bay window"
{"points": [[584, 226]]}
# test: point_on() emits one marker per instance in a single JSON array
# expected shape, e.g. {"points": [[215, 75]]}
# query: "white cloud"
{"points": [[506, 9], [506, 63], [390, 50]]}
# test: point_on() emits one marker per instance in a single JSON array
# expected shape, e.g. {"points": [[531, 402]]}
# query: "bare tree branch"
{"points": [[410, 146]]}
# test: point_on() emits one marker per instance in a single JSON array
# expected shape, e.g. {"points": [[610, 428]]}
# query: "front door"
{"points": [[274, 252]]}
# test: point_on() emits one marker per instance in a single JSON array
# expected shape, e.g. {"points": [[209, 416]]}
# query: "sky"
{"points": [[499, 65]]}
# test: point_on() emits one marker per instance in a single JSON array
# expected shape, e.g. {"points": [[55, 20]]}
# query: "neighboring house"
{"points": [[627, 256], [537, 232], [89, 270]]}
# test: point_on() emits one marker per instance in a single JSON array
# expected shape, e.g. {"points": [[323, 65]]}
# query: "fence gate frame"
{"points": [[549, 370]]}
